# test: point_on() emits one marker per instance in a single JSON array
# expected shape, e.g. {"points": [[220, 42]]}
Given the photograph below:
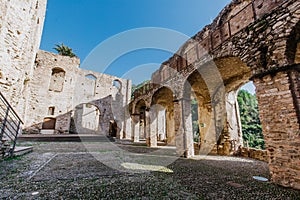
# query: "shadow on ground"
{"points": [[67, 170]]}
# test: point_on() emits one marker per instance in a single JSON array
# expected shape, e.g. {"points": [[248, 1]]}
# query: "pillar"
{"points": [[135, 130], [142, 129], [161, 124], [170, 127], [234, 130], [153, 126], [127, 124], [183, 128], [206, 128], [278, 100], [147, 126]]}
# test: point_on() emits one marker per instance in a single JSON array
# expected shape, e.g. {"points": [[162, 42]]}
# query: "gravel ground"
{"points": [[107, 170]]}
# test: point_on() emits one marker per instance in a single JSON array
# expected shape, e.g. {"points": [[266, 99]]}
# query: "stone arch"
{"points": [[234, 73], [136, 105], [117, 83], [162, 115], [141, 104], [57, 79], [257, 37], [214, 96], [140, 112], [91, 76], [195, 86], [162, 95], [293, 45]]}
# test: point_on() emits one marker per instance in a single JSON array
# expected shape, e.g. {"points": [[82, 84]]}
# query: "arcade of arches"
{"points": [[211, 67], [256, 40]]}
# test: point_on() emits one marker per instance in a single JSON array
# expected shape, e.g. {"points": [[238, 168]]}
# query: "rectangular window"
{"points": [[51, 110]]}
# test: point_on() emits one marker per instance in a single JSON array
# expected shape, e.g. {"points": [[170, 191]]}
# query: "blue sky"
{"points": [[84, 24]]}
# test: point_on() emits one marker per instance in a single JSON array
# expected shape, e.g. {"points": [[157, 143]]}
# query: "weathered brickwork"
{"points": [[280, 127], [256, 40], [257, 154], [21, 24]]}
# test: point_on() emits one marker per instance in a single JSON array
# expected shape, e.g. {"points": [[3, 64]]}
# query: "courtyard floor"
{"points": [[112, 170]]}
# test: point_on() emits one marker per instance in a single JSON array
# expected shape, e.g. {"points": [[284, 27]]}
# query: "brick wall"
{"points": [[280, 126]]}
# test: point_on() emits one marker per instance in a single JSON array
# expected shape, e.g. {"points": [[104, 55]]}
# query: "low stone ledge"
{"points": [[257, 154]]}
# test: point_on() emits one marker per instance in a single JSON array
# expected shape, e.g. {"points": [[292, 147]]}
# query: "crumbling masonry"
{"points": [[255, 40], [249, 40], [50, 92]]}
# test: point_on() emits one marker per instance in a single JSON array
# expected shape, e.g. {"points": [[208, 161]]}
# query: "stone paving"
{"points": [[106, 170]]}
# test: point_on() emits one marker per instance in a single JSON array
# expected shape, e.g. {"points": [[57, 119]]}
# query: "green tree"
{"points": [[64, 50], [251, 127], [194, 108]]}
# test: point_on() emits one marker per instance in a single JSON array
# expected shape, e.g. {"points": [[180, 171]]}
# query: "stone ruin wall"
{"points": [[40, 97], [233, 18], [271, 48], [25, 83], [21, 24], [59, 82], [281, 125]]}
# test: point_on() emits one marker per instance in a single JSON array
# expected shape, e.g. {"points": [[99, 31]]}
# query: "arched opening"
{"points": [[195, 119], [249, 117], [90, 84], [117, 84], [57, 80], [215, 93], [162, 122], [86, 119], [235, 73], [113, 128], [202, 116], [293, 46], [140, 111], [91, 76]]}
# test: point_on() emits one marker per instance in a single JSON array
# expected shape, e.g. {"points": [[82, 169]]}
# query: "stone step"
{"points": [[19, 150], [65, 138], [47, 131]]}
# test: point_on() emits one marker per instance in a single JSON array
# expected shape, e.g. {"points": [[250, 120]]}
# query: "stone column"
{"points": [[183, 128], [153, 126], [127, 124], [135, 127], [234, 137], [142, 129], [161, 124], [170, 128], [118, 112], [147, 126], [278, 99], [119, 129], [206, 128]]}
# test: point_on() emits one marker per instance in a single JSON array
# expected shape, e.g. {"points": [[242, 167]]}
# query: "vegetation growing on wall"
{"points": [[138, 86], [64, 50]]}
